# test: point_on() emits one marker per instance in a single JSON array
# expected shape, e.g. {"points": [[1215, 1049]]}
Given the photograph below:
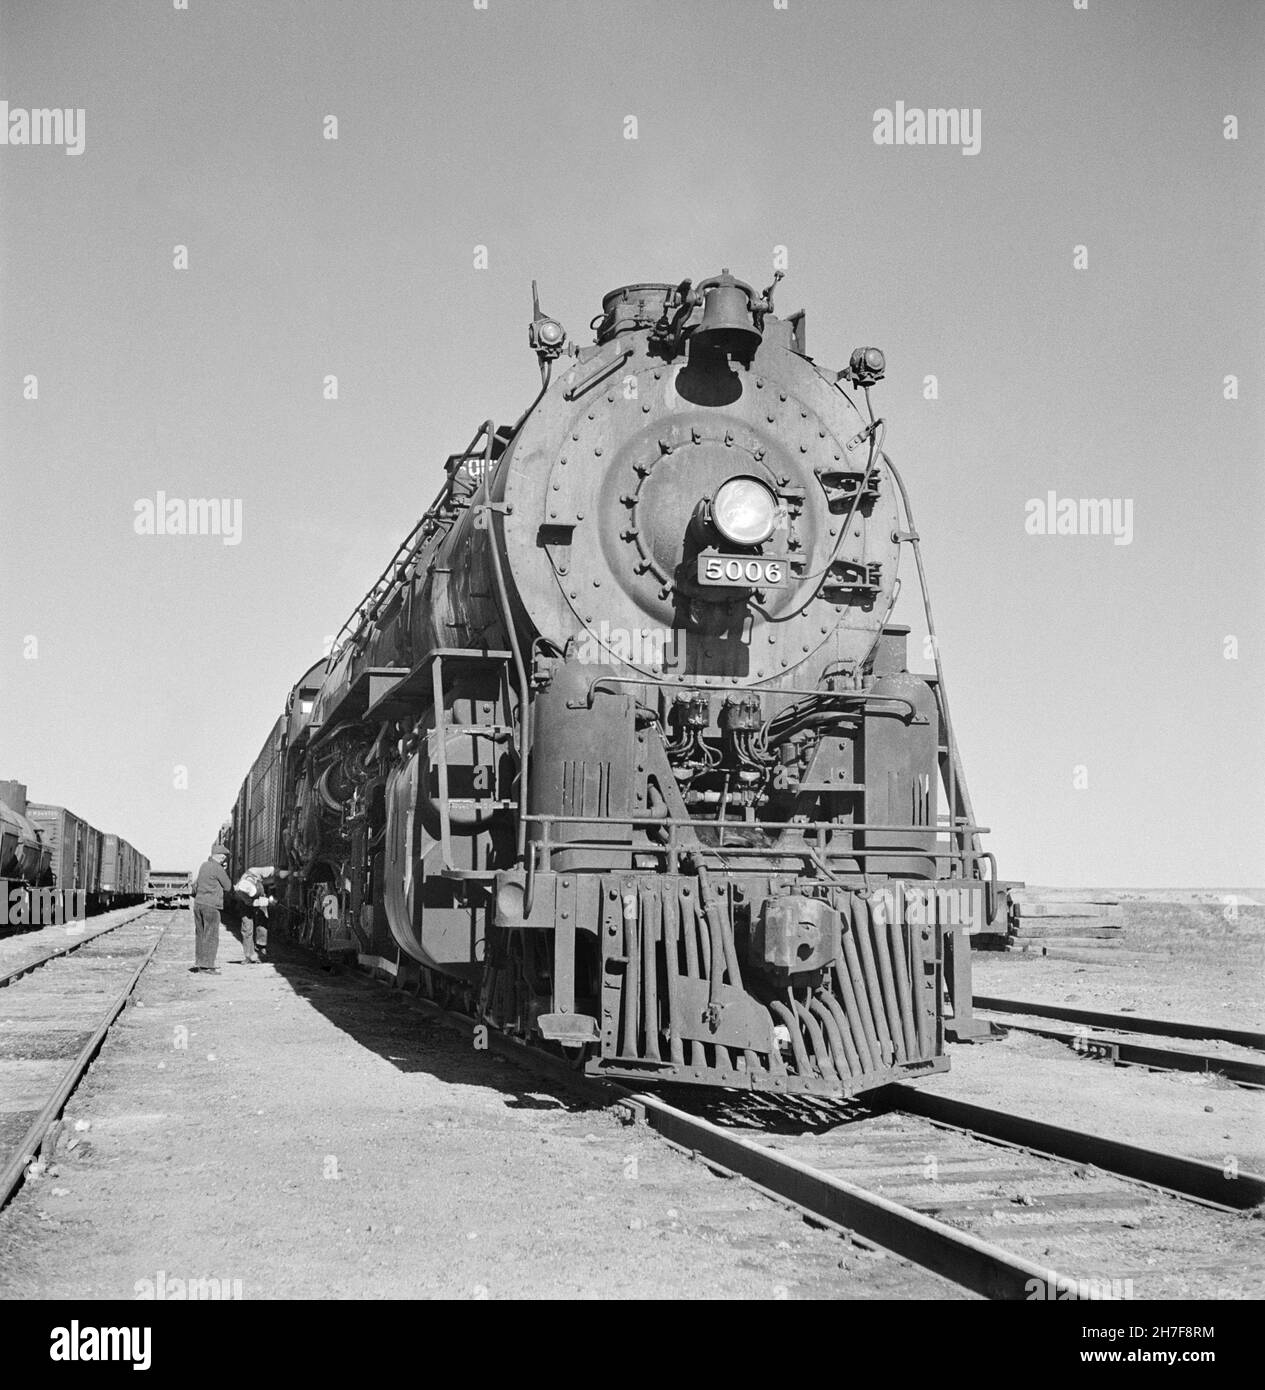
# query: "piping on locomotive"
{"points": [[621, 751]]}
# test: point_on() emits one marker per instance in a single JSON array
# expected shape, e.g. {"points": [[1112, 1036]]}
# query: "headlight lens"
{"points": [[744, 511]]}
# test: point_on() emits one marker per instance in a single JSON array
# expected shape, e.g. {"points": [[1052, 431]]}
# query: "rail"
{"points": [[15, 1167], [25, 967], [1128, 1023], [956, 1255]]}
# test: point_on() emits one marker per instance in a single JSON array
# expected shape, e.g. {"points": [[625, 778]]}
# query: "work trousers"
{"points": [[254, 933], [206, 923]]}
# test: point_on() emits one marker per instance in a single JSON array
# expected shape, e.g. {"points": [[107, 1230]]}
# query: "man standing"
{"points": [[209, 886]]}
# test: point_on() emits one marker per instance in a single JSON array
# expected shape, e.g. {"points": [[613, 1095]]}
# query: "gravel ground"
{"points": [[1198, 960], [1182, 1112], [1189, 959], [294, 1133], [312, 1136], [20, 947]]}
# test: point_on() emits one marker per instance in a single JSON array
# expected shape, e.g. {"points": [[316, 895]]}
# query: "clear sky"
{"points": [[1102, 128]]}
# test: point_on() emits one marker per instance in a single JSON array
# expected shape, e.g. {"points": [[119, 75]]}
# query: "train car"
{"points": [[113, 869], [60, 866], [257, 833], [169, 887], [24, 861], [257, 824], [124, 873], [95, 841], [622, 751], [75, 853]]}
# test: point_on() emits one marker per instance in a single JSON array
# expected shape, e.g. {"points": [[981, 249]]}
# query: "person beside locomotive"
{"points": [[254, 895], [210, 884]]}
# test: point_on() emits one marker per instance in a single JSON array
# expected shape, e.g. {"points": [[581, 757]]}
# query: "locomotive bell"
{"points": [[727, 324]]}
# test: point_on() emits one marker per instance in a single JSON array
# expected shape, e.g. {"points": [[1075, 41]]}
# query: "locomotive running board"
{"points": [[414, 691]]}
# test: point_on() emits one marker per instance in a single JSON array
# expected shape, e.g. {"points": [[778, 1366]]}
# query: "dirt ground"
{"points": [[312, 1136], [20, 947], [1200, 959], [277, 1131]]}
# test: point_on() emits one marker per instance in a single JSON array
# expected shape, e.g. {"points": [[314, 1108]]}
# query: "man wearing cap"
{"points": [[209, 886]]}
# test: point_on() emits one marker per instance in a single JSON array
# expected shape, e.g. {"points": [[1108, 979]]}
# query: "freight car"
{"points": [[622, 752], [55, 867], [169, 887], [75, 853], [124, 874]]}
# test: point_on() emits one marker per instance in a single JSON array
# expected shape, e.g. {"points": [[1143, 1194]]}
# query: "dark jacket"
{"points": [[210, 884]]}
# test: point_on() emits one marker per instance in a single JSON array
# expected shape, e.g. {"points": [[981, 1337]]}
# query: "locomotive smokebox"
{"points": [[794, 935], [727, 325]]}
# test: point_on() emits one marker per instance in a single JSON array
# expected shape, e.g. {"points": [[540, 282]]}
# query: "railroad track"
{"points": [[1000, 1204], [1116, 1038], [1004, 1219], [55, 1012], [77, 935]]}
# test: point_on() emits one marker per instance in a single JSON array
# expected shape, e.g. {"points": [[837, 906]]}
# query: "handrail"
{"points": [[962, 827], [855, 696], [381, 589], [967, 862]]}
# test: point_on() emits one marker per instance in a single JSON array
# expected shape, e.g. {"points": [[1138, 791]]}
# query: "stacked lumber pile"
{"points": [[1040, 919]]}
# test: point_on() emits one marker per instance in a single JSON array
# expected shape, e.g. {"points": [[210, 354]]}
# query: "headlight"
{"points": [[744, 511]]}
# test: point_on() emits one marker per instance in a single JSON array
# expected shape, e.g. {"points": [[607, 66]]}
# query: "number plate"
{"points": [[741, 572]]}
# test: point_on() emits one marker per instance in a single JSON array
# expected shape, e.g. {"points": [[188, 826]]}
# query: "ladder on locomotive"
{"points": [[438, 748]]}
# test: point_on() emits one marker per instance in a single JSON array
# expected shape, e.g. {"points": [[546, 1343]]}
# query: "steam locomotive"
{"points": [[621, 752]]}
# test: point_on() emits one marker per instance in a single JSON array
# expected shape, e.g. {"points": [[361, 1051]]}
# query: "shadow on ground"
{"points": [[393, 1024]]}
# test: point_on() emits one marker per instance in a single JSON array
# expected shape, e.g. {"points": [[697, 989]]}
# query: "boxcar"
{"points": [[256, 821], [124, 872], [75, 848]]}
